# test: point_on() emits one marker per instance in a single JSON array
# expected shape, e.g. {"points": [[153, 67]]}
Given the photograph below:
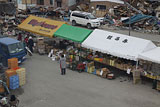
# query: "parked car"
{"points": [[84, 18]]}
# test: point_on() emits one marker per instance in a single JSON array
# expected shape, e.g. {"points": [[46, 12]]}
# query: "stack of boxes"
{"points": [[41, 45], [22, 76], [9, 73], [90, 67], [12, 63], [105, 73], [15, 75], [136, 76], [14, 82]]}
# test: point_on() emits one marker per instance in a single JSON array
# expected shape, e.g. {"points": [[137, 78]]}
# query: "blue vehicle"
{"points": [[11, 48]]}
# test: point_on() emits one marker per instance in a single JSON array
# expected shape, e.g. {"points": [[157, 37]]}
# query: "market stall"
{"points": [[117, 50], [151, 63], [151, 55], [116, 44], [42, 26], [76, 35]]}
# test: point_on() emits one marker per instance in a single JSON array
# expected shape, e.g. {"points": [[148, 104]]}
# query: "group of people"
{"points": [[29, 43], [27, 40]]}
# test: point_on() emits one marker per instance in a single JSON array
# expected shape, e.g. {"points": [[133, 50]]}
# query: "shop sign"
{"points": [[117, 39], [34, 22]]}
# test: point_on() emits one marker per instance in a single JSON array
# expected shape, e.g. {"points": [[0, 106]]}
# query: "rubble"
{"points": [[137, 14]]}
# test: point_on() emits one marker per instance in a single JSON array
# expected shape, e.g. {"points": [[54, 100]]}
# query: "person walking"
{"points": [[63, 65], [30, 44]]}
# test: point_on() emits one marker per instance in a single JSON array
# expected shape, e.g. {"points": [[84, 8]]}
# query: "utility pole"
{"points": [[129, 18], [26, 4]]}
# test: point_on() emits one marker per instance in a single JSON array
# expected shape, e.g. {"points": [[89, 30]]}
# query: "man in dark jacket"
{"points": [[30, 44], [63, 65]]}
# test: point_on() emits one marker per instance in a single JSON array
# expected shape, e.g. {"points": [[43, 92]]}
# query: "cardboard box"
{"points": [[136, 73], [42, 46], [90, 64], [105, 69], [98, 72], [12, 63], [104, 75], [136, 80]]}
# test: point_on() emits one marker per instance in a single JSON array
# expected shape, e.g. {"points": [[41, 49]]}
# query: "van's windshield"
{"points": [[90, 16], [15, 48]]}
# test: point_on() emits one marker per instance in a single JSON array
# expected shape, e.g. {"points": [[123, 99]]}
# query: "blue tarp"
{"points": [[137, 18]]}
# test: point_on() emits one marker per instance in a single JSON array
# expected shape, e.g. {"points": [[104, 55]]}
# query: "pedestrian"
{"points": [[129, 74], [26, 40], [30, 44], [63, 65], [19, 37]]}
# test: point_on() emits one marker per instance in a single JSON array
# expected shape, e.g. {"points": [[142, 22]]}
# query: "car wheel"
{"points": [[89, 26], [74, 23]]}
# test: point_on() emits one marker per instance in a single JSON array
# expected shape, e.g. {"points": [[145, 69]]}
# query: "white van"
{"points": [[84, 18]]}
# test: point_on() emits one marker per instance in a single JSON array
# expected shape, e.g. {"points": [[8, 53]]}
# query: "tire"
{"points": [[89, 26], [73, 23]]}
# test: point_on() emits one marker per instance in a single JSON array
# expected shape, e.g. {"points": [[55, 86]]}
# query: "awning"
{"points": [[118, 45], [41, 26], [75, 34], [152, 55]]}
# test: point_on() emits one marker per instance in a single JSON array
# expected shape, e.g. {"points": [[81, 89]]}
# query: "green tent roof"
{"points": [[75, 34]]}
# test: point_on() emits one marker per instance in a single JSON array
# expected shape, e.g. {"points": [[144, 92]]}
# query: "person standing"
{"points": [[19, 37], [63, 65], [26, 40], [30, 44]]}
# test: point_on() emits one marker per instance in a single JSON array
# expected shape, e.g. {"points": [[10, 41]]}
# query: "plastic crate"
{"points": [[22, 76], [14, 82]]}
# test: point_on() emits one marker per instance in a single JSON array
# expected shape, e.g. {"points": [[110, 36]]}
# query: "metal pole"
{"points": [[26, 4], [136, 64], [129, 18]]}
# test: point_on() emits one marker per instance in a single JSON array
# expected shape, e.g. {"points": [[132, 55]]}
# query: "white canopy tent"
{"points": [[119, 45], [152, 55]]}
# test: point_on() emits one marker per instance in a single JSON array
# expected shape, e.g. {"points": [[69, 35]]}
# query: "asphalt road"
{"points": [[45, 87]]}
